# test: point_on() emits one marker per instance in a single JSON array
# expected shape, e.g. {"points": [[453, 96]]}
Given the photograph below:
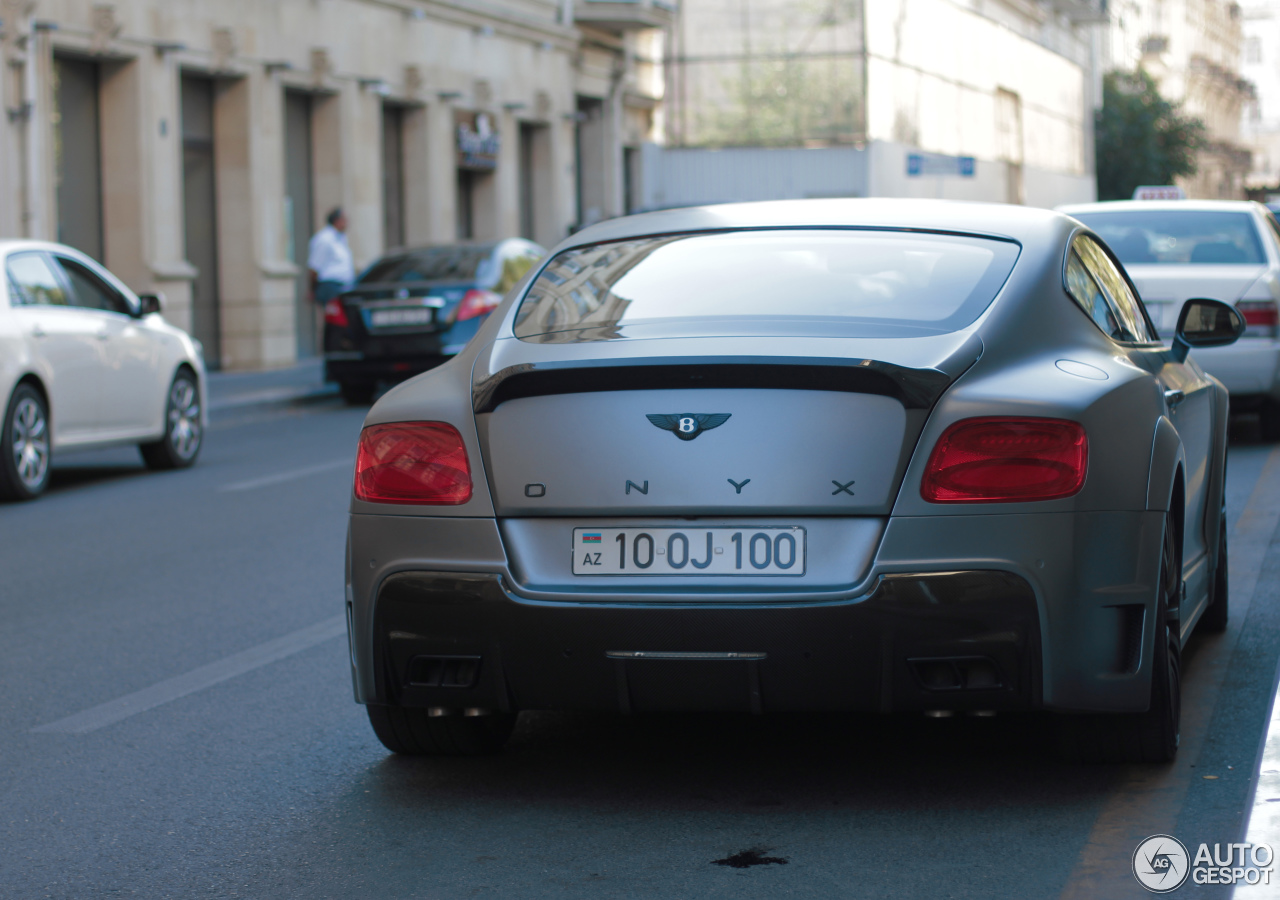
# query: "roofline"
{"points": [[986, 220]]}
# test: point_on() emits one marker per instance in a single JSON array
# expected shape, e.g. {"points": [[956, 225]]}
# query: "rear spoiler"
{"points": [[914, 388]]}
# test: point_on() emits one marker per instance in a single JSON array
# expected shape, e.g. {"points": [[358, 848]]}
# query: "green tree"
{"points": [[1140, 137]]}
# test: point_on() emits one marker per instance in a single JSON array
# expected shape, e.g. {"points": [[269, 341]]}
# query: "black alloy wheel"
{"points": [[183, 431], [413, 732], [25, 445], [1151, 736]]}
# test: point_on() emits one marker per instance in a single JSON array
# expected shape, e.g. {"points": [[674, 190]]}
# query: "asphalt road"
{"points": [[237, 765]]}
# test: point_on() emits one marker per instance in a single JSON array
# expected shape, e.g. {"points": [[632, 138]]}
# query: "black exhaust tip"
{"points": [[957, 673], [443, 671]]}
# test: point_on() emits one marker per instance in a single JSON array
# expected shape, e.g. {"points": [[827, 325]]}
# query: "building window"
{"points": [[1156, 43]]}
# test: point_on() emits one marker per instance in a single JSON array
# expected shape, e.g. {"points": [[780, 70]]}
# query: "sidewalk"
{"points": [[301, 383]]}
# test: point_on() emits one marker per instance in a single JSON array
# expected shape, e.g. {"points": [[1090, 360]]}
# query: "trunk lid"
{"points": [[749, 425], [1164, 288]]}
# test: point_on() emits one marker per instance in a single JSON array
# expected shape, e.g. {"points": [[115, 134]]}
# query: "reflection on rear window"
{"points": [[883, 283], [431, 264], [1178, 237]]}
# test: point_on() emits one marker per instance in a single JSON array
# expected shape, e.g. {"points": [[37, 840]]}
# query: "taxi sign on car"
{"points": [[1159, 192]]}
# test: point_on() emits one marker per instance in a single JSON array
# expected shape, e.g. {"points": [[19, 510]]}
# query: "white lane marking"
{"points": [[286, 476], [197, 679], [1264, 819]]}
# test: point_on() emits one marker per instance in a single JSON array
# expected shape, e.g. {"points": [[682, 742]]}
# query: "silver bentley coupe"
{"points": [[821, 455]]}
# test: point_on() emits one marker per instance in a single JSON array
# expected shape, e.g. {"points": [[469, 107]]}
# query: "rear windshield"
{"points": [[429, 264], [865, 283], [1178, 237]]}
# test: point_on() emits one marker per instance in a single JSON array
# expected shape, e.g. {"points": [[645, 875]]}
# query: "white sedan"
{"points": [[1226, 250], [85, 362]]}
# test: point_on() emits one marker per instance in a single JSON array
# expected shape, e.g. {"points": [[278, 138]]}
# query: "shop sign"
{"points": [[478, 141]]}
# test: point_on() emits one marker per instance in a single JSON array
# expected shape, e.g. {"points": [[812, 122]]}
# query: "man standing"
{"points": [[329, 259]]}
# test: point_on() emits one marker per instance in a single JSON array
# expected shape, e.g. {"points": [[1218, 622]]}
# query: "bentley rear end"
{"points": [[715, 468]]}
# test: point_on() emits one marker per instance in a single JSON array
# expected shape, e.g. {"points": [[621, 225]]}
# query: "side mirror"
{"points": [[1206, 323], [151, 303]]}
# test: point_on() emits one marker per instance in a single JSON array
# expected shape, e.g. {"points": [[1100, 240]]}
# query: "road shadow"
{"points": [[738, 763], [727, 762], [65, 478], [1245, 429]]}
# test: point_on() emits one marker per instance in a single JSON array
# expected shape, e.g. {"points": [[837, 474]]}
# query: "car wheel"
{"points": [[1151, 736], [1214, 619], [415, 733], [1269, 420], [183, 433], [24, 470], [357, 394]]}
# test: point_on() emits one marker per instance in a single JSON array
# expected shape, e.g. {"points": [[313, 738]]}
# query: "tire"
{"points": [[1214, 619], [1151, 736], [413, 733], [356, 394], [183, 432], [1269, 420], [24, 446]]}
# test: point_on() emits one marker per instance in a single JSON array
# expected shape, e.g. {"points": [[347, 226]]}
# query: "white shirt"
{"points": [[329, 256]]}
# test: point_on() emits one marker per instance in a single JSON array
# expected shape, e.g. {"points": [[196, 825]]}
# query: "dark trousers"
{"points": [[327, 290]]}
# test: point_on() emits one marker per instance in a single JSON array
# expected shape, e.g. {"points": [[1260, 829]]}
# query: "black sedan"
{"points": [[414, 308]]}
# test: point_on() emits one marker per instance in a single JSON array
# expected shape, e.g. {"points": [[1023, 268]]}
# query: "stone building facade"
{"points": [[958, 99], [1260, 127], [193, 146], [1192, 48]]}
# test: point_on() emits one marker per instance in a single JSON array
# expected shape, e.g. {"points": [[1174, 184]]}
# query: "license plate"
{"points": [[742, 550], [411, 315]]}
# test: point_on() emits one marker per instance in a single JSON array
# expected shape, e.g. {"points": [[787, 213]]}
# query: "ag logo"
{"points": [[1161, 863], [688, 426]]}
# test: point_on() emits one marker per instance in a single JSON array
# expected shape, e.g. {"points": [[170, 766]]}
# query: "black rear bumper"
{"points": [[964, 640], [353, 356]]}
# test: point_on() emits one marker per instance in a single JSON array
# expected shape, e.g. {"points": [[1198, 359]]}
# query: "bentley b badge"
{"points": [[688, 426]]}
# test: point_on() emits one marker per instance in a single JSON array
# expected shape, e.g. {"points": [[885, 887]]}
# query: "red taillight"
{"points": [[477, 302], [412, 462], [335, 314], [1006, 460], [1260, 314]]}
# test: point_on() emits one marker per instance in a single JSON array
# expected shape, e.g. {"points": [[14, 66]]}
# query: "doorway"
{"points": [[299, 210], [466, 204], [630, 180], [589, 161], [393, 175], [535, 180], [199, 213], [78, 154]]}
